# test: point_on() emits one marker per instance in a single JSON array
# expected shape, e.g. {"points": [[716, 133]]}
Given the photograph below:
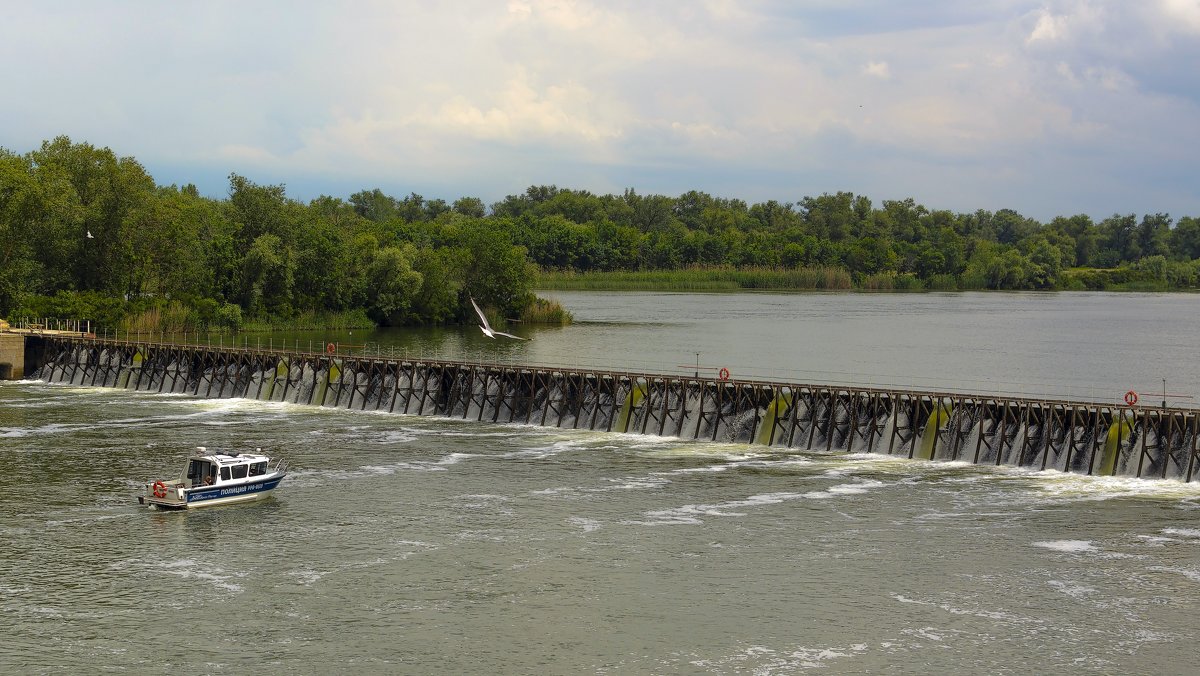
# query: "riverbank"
{"points": [[838, 279]]}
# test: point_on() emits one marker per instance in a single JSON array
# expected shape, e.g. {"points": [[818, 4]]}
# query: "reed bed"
{"points": [[544, 311], [311, 321], [701, 279]]}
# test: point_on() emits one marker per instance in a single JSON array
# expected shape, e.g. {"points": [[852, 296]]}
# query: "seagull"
{"points": [[487, 328], [89, 234]]}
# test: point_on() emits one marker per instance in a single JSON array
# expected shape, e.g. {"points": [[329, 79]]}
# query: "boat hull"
{"points": [[211, 496]]}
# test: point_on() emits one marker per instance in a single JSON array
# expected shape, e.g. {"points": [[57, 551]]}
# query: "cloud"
{"points": [[1048, 28], [1182, 14], [877, 69], [961, 105]]}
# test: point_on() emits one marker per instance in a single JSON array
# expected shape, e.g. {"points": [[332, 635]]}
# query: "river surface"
{"points": [[401, 544]]}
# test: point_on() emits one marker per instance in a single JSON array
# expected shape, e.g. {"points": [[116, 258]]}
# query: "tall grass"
{"points": [[701, 279], [543, 311], [175, 317], [311, 321]]}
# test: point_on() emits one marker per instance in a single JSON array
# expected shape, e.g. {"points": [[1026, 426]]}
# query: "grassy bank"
{"points": [[700, 279], [1174, 277]]}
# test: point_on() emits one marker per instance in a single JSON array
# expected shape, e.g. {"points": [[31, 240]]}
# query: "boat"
{"points": [[215, 478]]}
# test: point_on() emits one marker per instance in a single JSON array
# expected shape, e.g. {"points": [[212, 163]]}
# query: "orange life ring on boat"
{"points": [[331, 348], [1131, 397], [160, 489], [723, 373]]}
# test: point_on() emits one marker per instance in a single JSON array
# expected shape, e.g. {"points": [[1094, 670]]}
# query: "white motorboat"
{"points": [[216, 478]]}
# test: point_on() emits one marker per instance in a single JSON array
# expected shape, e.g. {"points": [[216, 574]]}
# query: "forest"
{"points": [[85, 233]]}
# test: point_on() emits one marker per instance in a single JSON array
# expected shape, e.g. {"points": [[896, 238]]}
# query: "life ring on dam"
{"points": [[723, 374], [1131, 397], [160, 489], [331, 348]]}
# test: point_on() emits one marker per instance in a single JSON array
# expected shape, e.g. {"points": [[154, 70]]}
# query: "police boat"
{"points": [[216, 478]]}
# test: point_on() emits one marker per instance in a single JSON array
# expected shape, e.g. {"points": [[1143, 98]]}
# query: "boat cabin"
{"points": [[210, 469]]}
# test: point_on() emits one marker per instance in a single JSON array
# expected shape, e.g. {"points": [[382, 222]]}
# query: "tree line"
{"points": [[900, 240], [89, 233]]}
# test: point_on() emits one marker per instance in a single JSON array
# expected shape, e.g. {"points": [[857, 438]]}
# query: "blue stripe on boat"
{"points": [[218, 492]]}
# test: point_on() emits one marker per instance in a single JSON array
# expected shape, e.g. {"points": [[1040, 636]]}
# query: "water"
{"points": [[416, 545], [1094, 346]]}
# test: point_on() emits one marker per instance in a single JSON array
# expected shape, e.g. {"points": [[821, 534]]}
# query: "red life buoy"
{"points": [[160, 489], [723, 373], [1131, 397], [331, 348]]}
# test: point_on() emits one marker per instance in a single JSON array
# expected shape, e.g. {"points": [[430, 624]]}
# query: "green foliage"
{"points": [[100, 308], [392, 285], [542, 311], [702, 279], [86, 234]]}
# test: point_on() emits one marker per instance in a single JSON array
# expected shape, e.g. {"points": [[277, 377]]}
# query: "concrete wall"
{"points": [[12, 356]]}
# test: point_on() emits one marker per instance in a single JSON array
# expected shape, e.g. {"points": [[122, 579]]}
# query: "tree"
{"points": [[830, 216], [268, 277], [1119, 237], [497, 272], [259, 210], [1043, 263], [1011, 227], [470, 206], [373, 205], [392, 285], [1185, 239], [1154, 235], [105, 190], [1083, 233]]}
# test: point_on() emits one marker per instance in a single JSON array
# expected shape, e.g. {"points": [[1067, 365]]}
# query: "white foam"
{"points": [[1183, 532], [690, 514], [707, 469], [840, 490], [1068, 546], [758, 659], [439, 465], [587, 525], [1071, 589], [1192, 574], [1066, 486], [954, 610], [191, 569]]}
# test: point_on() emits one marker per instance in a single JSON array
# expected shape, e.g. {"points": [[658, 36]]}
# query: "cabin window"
{"points": [[258, 468], [224, 474], [201, 472], [239, 471]]}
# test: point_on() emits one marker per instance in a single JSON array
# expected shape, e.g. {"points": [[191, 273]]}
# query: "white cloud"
{"points": [[1048, 28], [1111, 79], [877, 69], [1184, 14], [479, 96]]}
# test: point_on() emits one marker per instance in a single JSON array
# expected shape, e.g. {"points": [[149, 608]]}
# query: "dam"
{"points": [[1094, 438]]}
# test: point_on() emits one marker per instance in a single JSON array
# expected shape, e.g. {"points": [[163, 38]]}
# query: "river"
{"points": [[401, 544]]}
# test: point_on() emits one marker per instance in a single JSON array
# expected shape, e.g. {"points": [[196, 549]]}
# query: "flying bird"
{"points": [[89, 234], [487, 328]]}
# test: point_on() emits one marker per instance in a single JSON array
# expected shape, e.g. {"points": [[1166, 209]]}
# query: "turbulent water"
{"points": [[425, 545]]}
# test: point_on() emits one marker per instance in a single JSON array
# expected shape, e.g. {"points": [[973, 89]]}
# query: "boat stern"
{"points": [[164, 494]]}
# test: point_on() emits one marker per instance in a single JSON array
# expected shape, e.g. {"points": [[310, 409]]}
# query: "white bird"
{"points": [[487, 328], [89, 234]]}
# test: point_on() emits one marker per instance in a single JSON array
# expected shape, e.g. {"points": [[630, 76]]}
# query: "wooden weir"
{"points": [[1074, 436]]}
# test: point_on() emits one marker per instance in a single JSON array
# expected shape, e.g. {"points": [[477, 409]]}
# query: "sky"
{"points": [[1049, 107]]}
